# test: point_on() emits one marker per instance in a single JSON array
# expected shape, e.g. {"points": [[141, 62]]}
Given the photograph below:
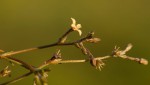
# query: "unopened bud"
{"points": [[93, 40], [143, 61]]}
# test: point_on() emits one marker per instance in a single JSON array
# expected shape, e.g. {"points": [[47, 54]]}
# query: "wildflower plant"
{"points": [[41, 72]]}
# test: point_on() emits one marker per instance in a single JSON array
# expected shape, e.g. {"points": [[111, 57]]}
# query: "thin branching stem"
{"points": [[41, 73], [64, 35], [21, 63], [17, 79], [42, 47], [71, 61]]}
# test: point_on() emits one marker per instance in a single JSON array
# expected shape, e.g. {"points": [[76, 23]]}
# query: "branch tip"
{"points": [[143, 61]]}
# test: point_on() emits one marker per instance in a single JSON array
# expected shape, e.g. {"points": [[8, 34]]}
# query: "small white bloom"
{"points": [[76, 27]]}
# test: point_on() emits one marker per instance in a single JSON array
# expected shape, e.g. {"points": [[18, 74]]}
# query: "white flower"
{"points": [[76, 27]]}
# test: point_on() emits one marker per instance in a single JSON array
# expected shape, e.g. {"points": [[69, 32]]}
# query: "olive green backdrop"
{"points": [[31, 23]]}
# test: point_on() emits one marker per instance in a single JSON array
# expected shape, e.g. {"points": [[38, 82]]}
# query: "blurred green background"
{"points": [[31, 23]]}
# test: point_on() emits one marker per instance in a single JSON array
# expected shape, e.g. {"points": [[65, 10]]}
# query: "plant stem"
{"points": [[71, 61], [21, 63], [17, 79]]}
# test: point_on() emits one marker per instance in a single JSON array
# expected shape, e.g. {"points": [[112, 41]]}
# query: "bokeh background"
{"points": [[31, 23]]}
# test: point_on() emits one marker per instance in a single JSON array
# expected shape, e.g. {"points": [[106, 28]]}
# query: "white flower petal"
{"points": [[80, 32], [78, 26], [73, 21]]}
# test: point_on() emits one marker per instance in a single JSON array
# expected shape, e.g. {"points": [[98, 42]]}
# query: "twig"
{"points": [[70, 61], [17, 79], [21, 63], [64, 36], [7, 54]]}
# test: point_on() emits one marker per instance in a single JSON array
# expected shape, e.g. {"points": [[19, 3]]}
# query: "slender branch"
{"points": [[70, 61], [36, 48], [7, 54], [81, 61], [139, 60], [61, 39], [21, 63], [17, 79], [122, 54]]}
